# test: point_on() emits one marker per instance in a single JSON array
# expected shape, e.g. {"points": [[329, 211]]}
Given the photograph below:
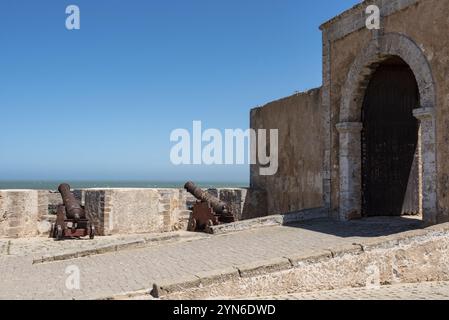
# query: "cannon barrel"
{"points": [[72, 206], [217, 205]]}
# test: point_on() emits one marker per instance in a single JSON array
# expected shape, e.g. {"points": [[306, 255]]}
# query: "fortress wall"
{"points": [[298, 183], [128, 211], [30, 213]]}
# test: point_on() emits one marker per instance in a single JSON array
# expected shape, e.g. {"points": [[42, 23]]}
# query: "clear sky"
{"points": [[100, 102]]}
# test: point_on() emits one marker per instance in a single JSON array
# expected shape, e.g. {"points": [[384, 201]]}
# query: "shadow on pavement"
{"points": [[366, 227]]}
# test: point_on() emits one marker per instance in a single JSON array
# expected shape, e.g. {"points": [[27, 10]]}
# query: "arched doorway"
{"points": [[376, 54], [389, 143]]}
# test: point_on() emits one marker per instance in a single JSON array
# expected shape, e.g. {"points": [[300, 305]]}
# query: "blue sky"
{"points": [[100, 102]]}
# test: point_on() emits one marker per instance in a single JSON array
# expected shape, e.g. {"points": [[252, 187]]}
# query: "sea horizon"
{"points": [[86, 184]]}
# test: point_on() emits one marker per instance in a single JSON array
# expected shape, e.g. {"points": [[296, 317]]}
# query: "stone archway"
{"points": [[350, 126]]}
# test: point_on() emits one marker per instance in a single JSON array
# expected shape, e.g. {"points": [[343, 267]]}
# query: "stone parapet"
{"points": [[30, 213], [19, 212]]}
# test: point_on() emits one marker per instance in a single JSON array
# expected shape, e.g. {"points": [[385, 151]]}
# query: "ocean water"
{"points": [[53, 185]]}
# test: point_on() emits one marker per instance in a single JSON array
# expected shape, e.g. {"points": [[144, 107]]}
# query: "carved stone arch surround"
{"points": [[350, 126]]}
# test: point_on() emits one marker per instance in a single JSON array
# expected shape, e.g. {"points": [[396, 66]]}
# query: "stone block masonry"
{"points": [[128, 211], [30, 213], [27, 213], [320, 164], [299, 182], [19, 211]]}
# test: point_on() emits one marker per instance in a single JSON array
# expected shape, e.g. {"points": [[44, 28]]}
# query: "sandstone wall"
{"points": [[298, 183], [19, 212], [423, 21], [29, 213], [127, 211]]}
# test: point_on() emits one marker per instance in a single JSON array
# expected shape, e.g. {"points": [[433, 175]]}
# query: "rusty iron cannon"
{"points": [[208, 210], [71, 220]]}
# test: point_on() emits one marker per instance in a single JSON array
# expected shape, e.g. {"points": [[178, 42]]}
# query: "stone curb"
{"points": [[243, 225], [131, 295], [169, 286], [307, 258], [289, 262], [404, 238], [388, 242], [134, 244], [123, 296], [258, 268], [90, 252], [269, 221], [210, 277], [342, 250]]}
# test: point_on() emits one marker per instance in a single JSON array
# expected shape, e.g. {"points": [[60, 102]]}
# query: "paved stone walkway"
{"points": [[416, 291], [46, 248], [137, 269]]}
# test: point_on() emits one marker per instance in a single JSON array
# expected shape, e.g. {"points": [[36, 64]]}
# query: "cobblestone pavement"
{"points": [[137, 269], [416, 291], [45, 247]]}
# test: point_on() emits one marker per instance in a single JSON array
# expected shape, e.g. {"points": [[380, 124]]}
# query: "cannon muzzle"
{"points": [[71, 219]]}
